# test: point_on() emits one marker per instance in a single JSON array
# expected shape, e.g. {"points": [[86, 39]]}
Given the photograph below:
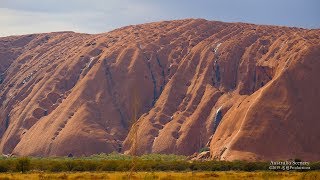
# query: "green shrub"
{"points": [[108, 165], [56, 166], [124, 165], [23, 164], [146, 165], [249, 166], [70, 165], [315, 166], [118, 162], [4, 166], [204, 149], [162, 157], [90, 165], [179, 165]]}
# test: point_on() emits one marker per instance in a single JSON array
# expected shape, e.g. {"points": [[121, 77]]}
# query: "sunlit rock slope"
{"points": [[245, 91]]}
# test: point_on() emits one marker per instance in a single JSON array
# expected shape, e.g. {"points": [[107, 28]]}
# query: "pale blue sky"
{"points": [[95, 16]]}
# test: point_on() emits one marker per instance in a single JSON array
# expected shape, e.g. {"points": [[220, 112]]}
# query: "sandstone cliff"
{"points": [[245, 91]]}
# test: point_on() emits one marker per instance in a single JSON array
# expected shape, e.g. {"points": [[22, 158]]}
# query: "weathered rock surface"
{"points": [[202, 156], [248, 91]]}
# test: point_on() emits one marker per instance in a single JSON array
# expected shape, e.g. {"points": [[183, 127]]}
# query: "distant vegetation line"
{"points": [[119, 162]]}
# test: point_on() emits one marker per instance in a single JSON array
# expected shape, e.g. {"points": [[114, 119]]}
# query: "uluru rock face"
{"points": [[245, 91]]}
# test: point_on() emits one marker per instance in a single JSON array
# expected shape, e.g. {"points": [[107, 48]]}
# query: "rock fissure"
{"points": [[112, 92]]}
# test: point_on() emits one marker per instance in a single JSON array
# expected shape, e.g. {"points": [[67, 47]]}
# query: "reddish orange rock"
{"points": [[244, 91]]}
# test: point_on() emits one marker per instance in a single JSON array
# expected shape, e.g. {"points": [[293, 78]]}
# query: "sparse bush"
{"points": [[315, 166], [204, 149], [179, 166], [3, 166], [108, 165], [124, 165], [249, 166], [118, 162], [23, 164], [70, 165], [90, 165], [56, 166]]}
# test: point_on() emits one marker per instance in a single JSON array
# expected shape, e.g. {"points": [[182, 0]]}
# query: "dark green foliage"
{"points": [[90, 166], [56, 166], [69, 165], [4, 167], [118, 162], [23, 164], [108, 165], [250, 166], [315, 166], [204, 149]]}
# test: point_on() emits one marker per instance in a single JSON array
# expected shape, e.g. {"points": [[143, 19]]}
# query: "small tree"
{"points": [[23, 164], [3, 166]]}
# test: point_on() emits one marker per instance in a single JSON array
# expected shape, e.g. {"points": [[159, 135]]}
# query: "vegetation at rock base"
{"points": [[118, 162]]}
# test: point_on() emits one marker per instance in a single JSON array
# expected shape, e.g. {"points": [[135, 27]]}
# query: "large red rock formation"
{"points": [[246, 91]]}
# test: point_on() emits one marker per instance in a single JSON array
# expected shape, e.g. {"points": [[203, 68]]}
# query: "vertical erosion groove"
{"points": [[216, 78], [217, 119], [162, 74], [217, 73], [1, 78], [154, 81], [7, 121], [112, 92]]}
